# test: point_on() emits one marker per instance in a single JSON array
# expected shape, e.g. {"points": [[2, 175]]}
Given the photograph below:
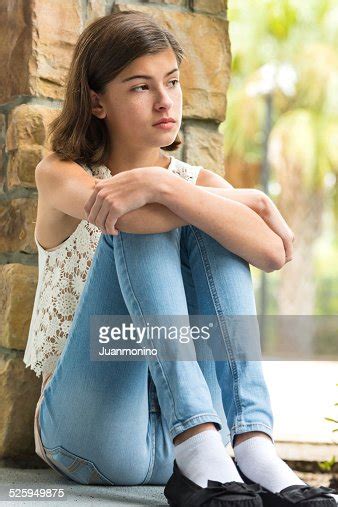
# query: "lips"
{"points": [[165, 120]]}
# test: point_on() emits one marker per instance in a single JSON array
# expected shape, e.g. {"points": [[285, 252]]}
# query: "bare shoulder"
{"points": [[59, 182], [43, 176], [50, 159], [53, 225], [51, 164]]}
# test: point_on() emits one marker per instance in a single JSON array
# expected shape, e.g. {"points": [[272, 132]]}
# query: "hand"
{"points": [[259, 202], [273, 218], [123, 192]]}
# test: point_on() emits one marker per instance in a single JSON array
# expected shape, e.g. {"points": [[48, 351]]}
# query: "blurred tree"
{"points": [[302, 148]]}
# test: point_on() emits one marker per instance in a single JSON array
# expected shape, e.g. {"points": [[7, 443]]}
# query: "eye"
{"points": [[176, 81]]}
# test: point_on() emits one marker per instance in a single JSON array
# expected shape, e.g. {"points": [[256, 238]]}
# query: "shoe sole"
{"points": [[269, 500]]}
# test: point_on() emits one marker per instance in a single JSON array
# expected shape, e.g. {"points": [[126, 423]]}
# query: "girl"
{"points": [[123, 229]]}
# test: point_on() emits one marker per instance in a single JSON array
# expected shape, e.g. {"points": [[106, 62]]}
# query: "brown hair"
{"points": [[103, 49]]}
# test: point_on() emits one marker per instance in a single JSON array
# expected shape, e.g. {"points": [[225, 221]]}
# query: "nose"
{"points": [[164, 100]]}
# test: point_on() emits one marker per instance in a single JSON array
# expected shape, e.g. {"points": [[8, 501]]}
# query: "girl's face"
{"points": [[143, 93]]}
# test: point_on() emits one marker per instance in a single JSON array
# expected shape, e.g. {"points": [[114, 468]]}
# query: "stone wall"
{"points": [[37, 39]]}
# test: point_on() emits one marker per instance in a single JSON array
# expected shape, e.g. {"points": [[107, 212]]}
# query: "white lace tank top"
{"points": [[62, 274]]}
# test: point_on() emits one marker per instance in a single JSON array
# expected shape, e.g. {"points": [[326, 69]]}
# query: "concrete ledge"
{"points": [[110, 496]]}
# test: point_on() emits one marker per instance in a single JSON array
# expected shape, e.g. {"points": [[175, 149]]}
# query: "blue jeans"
{"points": [[113, 422]]}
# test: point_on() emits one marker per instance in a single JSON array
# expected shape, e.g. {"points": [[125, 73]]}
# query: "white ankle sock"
{"points": [[258, 459], [203, 456]]}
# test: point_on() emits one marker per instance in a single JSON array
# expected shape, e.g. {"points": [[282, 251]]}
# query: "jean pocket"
{"points": [[74, 467]]}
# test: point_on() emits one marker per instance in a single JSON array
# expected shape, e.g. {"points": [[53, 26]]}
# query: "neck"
{"points": [[119, 162]]}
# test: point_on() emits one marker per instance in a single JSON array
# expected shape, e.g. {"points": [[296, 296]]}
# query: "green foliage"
{"points": [[326, 466], [282, 19], [303, 35]]}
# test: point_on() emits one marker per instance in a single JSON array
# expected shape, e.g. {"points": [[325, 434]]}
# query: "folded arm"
{"points": [[67, 188], [155, 217], [250, 236]]}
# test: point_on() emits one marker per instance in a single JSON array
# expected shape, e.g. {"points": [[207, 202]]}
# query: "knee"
{"points": [[126, 465], [117, 466]]}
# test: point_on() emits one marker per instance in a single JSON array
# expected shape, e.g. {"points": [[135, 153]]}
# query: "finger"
{"points": [[90, 202], [290, 233], [111, 221], [288, 249], [100, 184], [92, 216], [102, 216]]}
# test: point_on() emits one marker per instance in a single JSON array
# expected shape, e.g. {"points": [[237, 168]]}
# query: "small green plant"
{"points": [[326, 466]]}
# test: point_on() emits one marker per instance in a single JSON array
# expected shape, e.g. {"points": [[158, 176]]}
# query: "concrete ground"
{"points": [[111, 496]]}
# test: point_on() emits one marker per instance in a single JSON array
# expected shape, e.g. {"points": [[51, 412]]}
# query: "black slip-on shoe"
{"points": [[304, 496], [180, 491]]}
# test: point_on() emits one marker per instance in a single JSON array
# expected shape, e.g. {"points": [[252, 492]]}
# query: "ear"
{"points": [[98, 109]]}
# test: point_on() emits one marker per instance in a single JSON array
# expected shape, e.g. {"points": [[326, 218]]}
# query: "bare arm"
{"points": [[255, 199], [155, 218], [67, 187], [233, 224]]}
